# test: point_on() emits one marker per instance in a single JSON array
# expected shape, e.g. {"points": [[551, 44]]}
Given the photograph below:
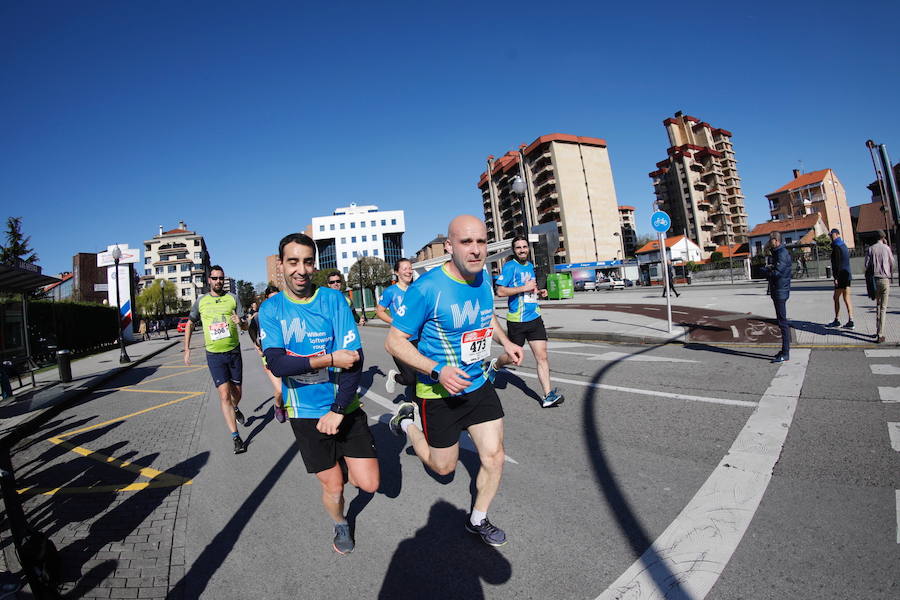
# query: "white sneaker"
{"points": [[390, 384]]}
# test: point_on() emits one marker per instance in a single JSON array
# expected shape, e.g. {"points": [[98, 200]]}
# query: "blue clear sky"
{"points": [[247, 119]]}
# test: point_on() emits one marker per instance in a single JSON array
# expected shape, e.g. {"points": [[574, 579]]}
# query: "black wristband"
{"points": [[337, 408]]}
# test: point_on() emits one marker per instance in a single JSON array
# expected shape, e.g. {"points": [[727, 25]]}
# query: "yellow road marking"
{"points": [[192, 369], [132, 389], [174, 366], [103, 489], [134, 414], [122, 464]]}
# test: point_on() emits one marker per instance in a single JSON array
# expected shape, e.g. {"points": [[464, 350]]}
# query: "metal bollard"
{"points": [[64, 364], [828, 272]]}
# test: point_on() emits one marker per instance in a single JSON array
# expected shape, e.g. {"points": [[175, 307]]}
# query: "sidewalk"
{"points": [[742, 314]]}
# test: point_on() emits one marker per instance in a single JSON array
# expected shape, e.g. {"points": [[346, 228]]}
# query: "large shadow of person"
{"points": [[442, 560]]}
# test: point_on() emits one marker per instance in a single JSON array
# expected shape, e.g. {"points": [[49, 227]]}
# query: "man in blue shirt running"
{"points": [[310, 340], [452, 310], [518, 284]]}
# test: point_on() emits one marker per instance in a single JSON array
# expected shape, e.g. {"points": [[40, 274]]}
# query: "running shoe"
{"points": [[239, 446], [238, 415], [849, 324], [407, 410], [490, 534], [280, 414], [780, 358], [552, 399], [834, 323], [491, 369], [390, 384], [343, 543]]}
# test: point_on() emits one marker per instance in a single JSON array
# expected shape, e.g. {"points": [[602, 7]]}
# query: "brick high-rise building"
{"points": [[568, 181], [698, 184]]}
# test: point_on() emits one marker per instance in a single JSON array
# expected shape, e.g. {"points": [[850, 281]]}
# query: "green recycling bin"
{"points": [[560, 286]]}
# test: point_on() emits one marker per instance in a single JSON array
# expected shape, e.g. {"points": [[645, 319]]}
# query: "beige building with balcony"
{"points": [[698, 184], [180, 256], [627, 227], [819, 192], [568, 182]]}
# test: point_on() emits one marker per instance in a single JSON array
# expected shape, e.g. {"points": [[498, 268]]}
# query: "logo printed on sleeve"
{"points": [[349, 338], [296, 329], [468, 313]]}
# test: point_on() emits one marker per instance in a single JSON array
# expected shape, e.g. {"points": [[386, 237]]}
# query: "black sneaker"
{"points": [[407, 410], [849, 324], [239, 416], [343, 543], [780, 358], [490, 535], [834, 323], [239, 447]]}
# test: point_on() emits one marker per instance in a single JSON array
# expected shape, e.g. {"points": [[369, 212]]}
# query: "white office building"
{"points": [[354, 231]]}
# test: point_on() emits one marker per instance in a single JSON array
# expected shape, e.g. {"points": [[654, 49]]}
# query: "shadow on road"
{"points": [[730, 351], [461, 561], [821, 329]]}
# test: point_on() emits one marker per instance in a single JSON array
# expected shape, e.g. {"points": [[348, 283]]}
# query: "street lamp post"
{"points": [[519, 188], [123, 356], [162, 297]]}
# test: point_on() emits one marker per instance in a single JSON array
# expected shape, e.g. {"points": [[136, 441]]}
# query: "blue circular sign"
{"points": [[660, 221]]}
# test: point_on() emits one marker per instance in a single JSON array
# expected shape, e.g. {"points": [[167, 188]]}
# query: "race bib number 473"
{"points": [[475, 345]]}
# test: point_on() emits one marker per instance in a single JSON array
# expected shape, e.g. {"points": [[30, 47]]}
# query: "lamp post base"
{"points": [[123, 357]]}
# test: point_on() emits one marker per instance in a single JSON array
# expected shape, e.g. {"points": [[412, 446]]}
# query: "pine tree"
{"points": [[16, 247]]}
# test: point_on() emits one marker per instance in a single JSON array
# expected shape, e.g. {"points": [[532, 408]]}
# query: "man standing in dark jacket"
{"points": [[840, 269], [779, 275]]}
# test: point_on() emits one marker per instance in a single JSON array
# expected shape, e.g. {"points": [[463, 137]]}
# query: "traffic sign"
{"points": [[660, 221]]}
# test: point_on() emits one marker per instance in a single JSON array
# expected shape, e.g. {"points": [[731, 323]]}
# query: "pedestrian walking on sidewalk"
{"points": [[142, 330], [671, 268], [311, 342], [217, 313], [779, 276], [880, 259], [840, 269]]}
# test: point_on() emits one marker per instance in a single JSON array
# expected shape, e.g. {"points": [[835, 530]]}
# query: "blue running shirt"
{"points": [[453, 321], [392, 299], [522, 307], [315, 327]]}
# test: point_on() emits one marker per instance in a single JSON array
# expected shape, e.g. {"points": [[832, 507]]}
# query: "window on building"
{"points": [[171, 268], [343, 255], [196, 242], [362, 224], [353, 225], [185, 291], [787, 240], [147, 272], [198, 279], [383, 222], [343, 240], [365, 252], [185, 267], [353, 239], [198, 267], [331, 227], [375, 252], [346, 269], [159, 270], [147, 260], [374, 237], [197, 256], [393, 221], [758, 247], [185, 280], [364, 238], [321, 228], [372, 224], [355, 254], [342, 225]]}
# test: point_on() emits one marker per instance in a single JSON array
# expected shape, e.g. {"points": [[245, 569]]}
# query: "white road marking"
{"points": [[884, 370], [553, 345], [889, 394], [883, 353], [679, 312], [617, 388], [624, 356], [691, 554], [465, 442], [897, 492], [649, 308], [894, 434], [734, 331]]}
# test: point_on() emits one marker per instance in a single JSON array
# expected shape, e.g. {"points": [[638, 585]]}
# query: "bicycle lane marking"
{"points": [[689, 556], [160, 478]]}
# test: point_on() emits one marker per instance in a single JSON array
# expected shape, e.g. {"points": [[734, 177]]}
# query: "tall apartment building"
{"points": [[356, 231], [698, 184], [810, 193], [627, 229], [180, 256], [568, 181]]}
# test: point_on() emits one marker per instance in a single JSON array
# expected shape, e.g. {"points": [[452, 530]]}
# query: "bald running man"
{"points": [[452, 311]]}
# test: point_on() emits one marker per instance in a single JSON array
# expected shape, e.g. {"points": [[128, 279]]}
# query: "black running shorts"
{"points": [[320, 452], [443, 419], [529, 330], [843, 279]]}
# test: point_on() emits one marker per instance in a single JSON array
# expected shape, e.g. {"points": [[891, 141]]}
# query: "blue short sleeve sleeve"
{"points": [[410, 316], [270, 335], [386, 297]]}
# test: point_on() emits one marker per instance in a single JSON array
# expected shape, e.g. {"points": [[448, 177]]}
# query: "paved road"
{"points": [[754, 481]]}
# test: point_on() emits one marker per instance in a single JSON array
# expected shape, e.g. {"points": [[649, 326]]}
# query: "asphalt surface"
{"points": [[590, 484]]}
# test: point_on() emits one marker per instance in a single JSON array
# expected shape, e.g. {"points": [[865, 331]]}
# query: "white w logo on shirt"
{"points": [[468, 313], [297, 328]]}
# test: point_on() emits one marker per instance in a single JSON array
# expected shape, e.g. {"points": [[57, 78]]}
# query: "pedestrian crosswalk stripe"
{"points": [[889, 394], [883, 353], [884, 370], [894, 434]]}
